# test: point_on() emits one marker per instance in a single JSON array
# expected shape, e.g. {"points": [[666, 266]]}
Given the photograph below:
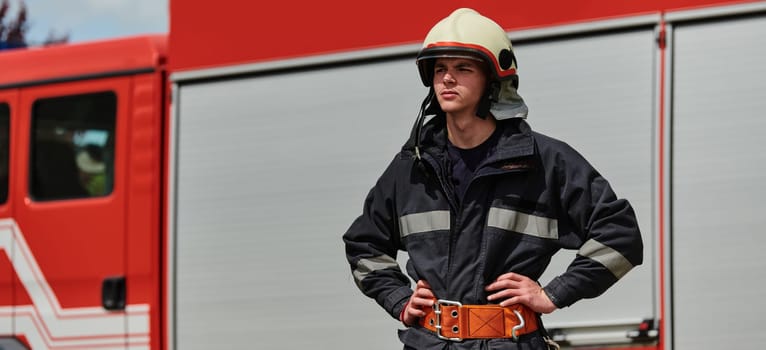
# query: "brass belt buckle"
{"points": [[438, 312]]}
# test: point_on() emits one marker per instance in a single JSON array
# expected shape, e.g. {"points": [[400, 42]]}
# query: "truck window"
{"points": [[72, 147], [5, 119]]}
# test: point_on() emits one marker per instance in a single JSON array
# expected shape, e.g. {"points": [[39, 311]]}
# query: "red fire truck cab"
{"points": [[81, 129]]}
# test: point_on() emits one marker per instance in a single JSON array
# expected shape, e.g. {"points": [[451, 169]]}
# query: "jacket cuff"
{"points": [[559, 293], [394, 302]]}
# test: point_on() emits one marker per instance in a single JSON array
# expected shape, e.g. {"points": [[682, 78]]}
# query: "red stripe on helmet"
{"points": [[454, 44]]}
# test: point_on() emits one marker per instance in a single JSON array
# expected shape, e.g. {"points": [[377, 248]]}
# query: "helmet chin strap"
{"points": [[430, 106], [418, 127]]}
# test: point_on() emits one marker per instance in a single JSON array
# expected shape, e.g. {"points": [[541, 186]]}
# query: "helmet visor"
{"points": [[434, 54], [426, 60]]}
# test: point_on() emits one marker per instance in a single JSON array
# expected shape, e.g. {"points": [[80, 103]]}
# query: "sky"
{"points": [[87, 20]]}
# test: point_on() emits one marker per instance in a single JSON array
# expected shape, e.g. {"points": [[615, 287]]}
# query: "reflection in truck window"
{"points": [[5, 120], [73, 146]]}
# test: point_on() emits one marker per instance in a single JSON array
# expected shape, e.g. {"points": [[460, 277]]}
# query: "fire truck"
{"points": [[188, 190]]}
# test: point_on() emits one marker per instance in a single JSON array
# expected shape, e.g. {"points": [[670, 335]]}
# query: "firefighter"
{"points": [[481, 203]]}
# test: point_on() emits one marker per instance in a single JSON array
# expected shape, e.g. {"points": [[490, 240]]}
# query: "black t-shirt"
{"points": [[465, 161]]}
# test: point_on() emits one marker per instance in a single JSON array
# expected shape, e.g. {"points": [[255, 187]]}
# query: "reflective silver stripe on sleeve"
{"points": [[529, 224], [424, 222], [367, 266], [612, 259]]}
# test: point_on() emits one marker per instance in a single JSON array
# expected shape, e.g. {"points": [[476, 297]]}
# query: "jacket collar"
{"points": [[515, 140]]}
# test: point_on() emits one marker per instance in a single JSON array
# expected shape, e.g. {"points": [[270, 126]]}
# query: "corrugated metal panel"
{"points": [[597, 94], [264, 187], [718, 192]]}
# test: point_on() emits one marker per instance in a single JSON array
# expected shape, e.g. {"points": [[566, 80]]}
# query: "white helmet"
{"points": [[466, 33]]}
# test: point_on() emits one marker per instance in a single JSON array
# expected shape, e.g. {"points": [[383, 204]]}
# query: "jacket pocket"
{"points": [[531, 342], [420, 339]]}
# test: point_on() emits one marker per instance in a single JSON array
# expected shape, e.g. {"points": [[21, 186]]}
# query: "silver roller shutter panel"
{"points": [[263, 172], [597, 94], [272, 170], [718, 184]]}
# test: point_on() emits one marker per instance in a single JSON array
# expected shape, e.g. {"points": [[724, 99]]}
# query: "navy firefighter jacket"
{"points": [[532, 196]]}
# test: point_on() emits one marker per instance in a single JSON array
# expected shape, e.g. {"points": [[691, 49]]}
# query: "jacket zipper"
{"points": [[439, 170], [457, 207], [483, 251]]}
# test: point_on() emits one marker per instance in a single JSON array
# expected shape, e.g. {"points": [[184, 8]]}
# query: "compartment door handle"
{"points": [[113, 293]]}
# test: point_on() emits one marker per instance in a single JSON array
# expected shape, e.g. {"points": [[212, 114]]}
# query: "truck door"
{"points": [[71, 221], [717, 184], [7, 104]]}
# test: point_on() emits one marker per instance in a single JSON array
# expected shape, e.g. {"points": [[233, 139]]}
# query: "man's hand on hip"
{"points": [[513, 288], [422, 297]]}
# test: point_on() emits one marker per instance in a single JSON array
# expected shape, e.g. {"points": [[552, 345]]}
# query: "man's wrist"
{"points": [[401, 314]]}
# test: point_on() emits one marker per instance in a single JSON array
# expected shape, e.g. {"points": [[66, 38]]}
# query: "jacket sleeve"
{"points": [[604, 230], [371, 244]]}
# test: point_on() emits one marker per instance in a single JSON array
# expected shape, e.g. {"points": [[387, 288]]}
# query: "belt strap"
{"points": [[451, 320]]}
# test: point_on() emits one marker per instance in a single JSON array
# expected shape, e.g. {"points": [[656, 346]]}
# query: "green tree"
{"points": [[12, 33]]}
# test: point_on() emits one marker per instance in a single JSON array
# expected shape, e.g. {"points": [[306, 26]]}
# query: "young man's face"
{"points": [[459, 84]]}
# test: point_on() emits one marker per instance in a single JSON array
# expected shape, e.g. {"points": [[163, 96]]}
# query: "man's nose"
{"points": [[448, 78]]}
